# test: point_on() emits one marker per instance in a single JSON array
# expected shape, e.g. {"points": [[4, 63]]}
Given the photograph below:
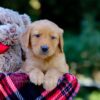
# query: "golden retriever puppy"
{"points": [[45, 60]]}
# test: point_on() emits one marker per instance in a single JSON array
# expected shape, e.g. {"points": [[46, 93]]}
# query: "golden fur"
{"points": [[44, 68]]}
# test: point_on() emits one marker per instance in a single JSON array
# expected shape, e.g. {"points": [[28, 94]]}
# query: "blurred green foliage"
{"points": [[84, 50], [88, 94], [81, 21]]}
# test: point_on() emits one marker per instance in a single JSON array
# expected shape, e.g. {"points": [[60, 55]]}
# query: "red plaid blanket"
{"points": [[16, 86]]}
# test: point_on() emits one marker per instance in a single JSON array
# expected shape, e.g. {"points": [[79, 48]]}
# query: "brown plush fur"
{"points": [[44, 68]]}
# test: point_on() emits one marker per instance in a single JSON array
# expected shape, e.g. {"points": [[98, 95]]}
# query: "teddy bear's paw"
{"points": [[36, 76]]}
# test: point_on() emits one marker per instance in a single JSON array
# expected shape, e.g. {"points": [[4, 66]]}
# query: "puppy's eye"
{"points": [[37, 35], [53, 37]]}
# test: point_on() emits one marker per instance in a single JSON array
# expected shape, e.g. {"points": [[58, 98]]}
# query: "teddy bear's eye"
{"points": [[0, 23]]}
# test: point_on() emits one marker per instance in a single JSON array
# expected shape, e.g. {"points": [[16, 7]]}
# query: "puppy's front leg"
{"points": [[51, 79], [36, 76]]}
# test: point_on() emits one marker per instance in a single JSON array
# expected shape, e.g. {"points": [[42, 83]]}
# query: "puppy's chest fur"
{"points": [[46, 64], [58, 62]]}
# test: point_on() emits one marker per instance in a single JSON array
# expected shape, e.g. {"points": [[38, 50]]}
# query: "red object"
{"points": [[16, 86], [3, 48]]}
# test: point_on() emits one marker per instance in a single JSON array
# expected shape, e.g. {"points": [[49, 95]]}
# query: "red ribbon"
{"points": [[3, 48]]}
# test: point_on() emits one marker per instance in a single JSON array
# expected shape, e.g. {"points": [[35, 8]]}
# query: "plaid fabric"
{"points": [[16, 86]]}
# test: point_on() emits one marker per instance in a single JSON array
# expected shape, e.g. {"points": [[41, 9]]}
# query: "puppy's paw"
{"points": [[50, 82], [36, 76]]}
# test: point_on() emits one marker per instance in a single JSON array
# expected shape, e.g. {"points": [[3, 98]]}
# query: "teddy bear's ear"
{"points": [[26, 20]]}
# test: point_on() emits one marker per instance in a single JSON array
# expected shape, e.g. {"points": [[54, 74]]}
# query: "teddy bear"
{"points": [[12, 25]]}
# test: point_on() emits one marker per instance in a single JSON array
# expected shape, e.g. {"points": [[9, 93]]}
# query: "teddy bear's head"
{"points": [[12, 25]]}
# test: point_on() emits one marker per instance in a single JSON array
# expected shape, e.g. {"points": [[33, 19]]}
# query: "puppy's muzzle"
{"points": [[44, 49]]}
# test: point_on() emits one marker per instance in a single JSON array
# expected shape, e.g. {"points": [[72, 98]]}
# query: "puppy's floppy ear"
{"points": [[61, 43], [25, 38]]}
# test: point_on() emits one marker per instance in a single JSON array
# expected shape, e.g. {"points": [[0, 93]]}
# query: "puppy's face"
{"points": [[44, 40]]}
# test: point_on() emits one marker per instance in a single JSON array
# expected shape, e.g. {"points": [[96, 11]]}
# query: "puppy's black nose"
{"points": [[44, 48]]}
